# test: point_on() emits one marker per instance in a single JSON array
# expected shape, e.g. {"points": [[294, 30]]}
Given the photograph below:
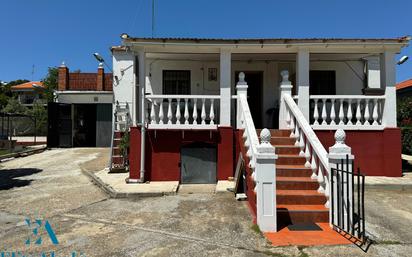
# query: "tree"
{"points": [[39, 113], [50, 83], [5, 91], [14, 106]]}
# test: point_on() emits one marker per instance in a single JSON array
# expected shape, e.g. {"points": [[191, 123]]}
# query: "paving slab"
{"points": [[403, 183], [223, 186]]}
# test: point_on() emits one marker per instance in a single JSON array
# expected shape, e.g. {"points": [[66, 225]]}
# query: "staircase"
{"points": [[298, 200], [121, 125]]}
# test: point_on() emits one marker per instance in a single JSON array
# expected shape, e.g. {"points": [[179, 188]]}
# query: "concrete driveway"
{"points": [[50, 186]]}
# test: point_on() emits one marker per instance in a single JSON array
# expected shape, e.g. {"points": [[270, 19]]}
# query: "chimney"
{"points": [[63, 77], [100, 78]]}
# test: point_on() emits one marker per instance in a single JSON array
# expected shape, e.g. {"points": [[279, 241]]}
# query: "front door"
{"points": [[254, 81], [59, 133]]}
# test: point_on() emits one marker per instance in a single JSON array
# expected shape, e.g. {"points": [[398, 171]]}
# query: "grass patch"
{"points": [[256, 228], [388, 242], [269, 253], [301, 252]]}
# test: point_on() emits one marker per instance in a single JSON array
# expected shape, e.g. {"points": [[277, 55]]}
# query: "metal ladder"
{"points": [[121, 123]]}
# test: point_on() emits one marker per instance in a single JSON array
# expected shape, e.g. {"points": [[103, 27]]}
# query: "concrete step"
{"points": [[290, 159], [296, 183], [276, 132], [293, 171], [287, 149], [292, 214], [298, 197], [282, 141]]}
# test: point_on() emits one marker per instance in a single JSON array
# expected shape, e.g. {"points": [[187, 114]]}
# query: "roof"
{"points": [[28, 85], [404, 84]]}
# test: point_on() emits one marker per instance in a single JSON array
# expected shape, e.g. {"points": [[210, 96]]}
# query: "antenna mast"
{"points": [[153, 17]]}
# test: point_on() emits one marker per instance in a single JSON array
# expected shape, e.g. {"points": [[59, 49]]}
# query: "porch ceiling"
{"points": [[256, 57]]}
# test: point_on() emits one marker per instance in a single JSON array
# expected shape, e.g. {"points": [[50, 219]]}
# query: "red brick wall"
{"points": [[163, 152], [84, 81], [377, 153]]}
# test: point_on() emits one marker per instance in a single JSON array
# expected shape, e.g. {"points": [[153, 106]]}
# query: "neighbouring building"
{"points": [[404, 89], [81, 115], [196, 105], [30, 92]]}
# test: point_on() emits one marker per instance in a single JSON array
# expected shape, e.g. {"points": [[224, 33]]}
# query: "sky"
{"points": [[37, 34]]}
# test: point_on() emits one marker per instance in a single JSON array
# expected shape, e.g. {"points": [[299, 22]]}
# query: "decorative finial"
{"points": [[100, 65], [285, 75], [242, 77], [63, 65], [265, 136], [340, 136]]}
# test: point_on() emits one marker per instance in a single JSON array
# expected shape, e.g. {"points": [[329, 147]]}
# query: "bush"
{"points": [[405, 123]]}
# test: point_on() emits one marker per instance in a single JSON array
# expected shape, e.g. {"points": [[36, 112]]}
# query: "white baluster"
{"points": [[195, 111], [358, 113], [288, 118], [349, 115], [332, 112], [307, 154], [313, 166], [327, 192], [366, 115], [321, 180], [375, 115], [292, 126], [212, 112], [186, 114], [324, 115], [169, 112], [203, 114], [316, 113], [297, 135], [301, 144], [161, 115], [341, 113], [178, 115], [153, 113]]}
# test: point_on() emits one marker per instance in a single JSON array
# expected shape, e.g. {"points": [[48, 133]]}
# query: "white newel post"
{"points": [[338, 152], [225, 94], [388, 82], [302, 81], [266, 184], [241, 89], [285, 88]]}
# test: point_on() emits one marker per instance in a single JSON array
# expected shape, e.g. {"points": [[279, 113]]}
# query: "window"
{"points": [[176, 82], [322, 82]]}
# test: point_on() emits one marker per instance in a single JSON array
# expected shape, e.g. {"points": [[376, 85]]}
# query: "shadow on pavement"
{"points": [[9, 177]]}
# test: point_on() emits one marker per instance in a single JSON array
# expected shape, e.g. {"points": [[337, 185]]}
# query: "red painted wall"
{"points": [[377, 153], [163, 152]]}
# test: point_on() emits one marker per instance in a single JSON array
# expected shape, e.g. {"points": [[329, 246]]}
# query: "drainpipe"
{"points": [[142, 85]]}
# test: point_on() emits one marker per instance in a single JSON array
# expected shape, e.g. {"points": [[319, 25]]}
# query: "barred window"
{"points": [[176, 82]]}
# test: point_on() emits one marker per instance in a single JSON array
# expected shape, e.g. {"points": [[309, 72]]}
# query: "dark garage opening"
{"points": [[198, 164]]}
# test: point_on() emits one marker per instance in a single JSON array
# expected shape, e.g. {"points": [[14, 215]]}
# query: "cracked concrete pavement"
{"points": [[51, 186]]}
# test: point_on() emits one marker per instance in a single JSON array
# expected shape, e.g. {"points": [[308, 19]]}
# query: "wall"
{"points": [[163, 152], [346, 80], [103, 125], [377, 153]]}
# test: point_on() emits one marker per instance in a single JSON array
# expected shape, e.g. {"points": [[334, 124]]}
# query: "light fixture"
{"points": [[124, 36], [98, 57], [402, 60]]}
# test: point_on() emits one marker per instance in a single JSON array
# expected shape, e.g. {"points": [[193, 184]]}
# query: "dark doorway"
{"points": [[322, 82], [84, 126], [59, 132], [198, 164], [254, 81]]}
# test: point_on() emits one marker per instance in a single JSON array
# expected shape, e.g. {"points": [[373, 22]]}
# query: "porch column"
{"points": [[225, 90], [388, 82], [302, 81], [140, 104]]}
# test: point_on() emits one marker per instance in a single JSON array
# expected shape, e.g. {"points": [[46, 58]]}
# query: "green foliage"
{"points": [[50, 83], [405, 123], [14, 106], [5, 91], [124, 144], [39, 113]]}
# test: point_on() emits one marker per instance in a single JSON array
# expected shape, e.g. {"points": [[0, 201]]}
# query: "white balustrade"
{"points": [[336, 111], [182, 111]]}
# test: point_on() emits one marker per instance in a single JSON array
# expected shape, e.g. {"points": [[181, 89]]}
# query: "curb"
{"points": [[112, 193], [402, 187], [4, 158]]}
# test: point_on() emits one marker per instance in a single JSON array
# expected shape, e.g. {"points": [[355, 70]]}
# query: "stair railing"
{"points": [[310, 146], [260, 158]]}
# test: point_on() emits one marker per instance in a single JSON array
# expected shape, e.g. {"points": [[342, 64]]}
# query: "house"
{"points": [[404, 88], [81, 115], [30, 92], [293, 109]]}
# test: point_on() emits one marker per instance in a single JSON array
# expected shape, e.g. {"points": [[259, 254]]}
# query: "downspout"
{"points": [[142, 85]]}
